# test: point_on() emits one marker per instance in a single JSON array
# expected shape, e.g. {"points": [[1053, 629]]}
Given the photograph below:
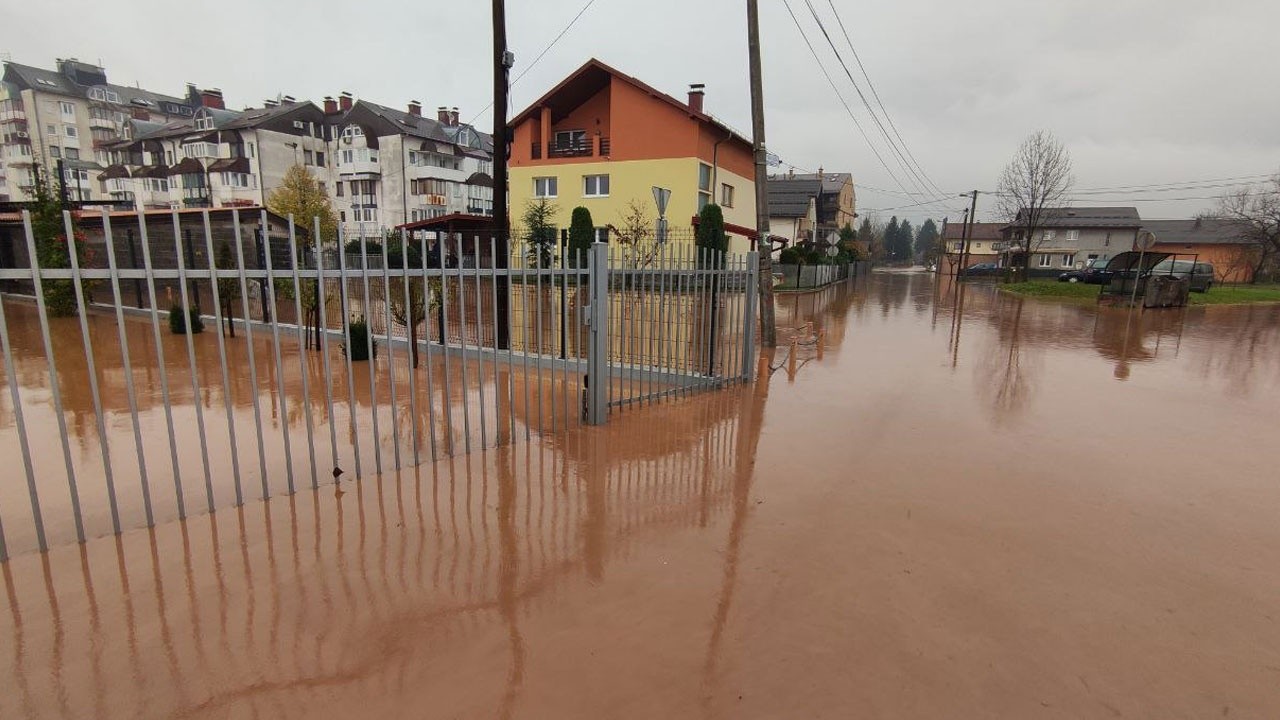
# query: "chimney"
{"points": [[696, 93], [269, 103], [453, 117], [330, 105], [415, 108], [212, 98], [344, 100], [442, 115], [139, 114], [288, 100], [820, 173]]}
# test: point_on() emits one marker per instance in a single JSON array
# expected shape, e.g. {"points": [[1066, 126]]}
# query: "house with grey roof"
{"points": [[1068, 237], [1223, 242], [791, 197], [391, 167], [69, 114]]}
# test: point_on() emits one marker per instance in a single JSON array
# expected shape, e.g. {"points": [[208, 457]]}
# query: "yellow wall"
{"points": [[634, 180]]}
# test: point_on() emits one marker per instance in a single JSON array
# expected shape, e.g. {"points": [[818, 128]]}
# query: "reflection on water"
{"points": [[963, 497], [353, 605]]}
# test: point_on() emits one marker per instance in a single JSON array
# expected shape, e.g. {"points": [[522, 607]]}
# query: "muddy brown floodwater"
{"points": [[948, 505]]}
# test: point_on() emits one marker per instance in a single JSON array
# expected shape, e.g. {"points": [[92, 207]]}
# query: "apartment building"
{"points": [[218, 157], [70, 114], [603, 140], [390, 167]]}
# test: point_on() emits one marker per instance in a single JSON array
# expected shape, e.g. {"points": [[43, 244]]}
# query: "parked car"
{"points": [[1199, 273], [1094, 273], [982, 270]]}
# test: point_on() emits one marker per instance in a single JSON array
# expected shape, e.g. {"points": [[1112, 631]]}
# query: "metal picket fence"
{"points": [[331, 364]]}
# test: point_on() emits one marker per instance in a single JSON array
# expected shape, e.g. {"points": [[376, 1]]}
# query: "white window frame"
{"points": [[70, 131], [204, 122], [1046, 260], [1047, 236], [591, 186], [546, 187], [1068, 259], [67, 108], [726, 195], [1073, 235]]}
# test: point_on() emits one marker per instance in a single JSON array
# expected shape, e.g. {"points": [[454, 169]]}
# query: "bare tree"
{"points": [[1257, 209], [635, 233], [1034, 183]]}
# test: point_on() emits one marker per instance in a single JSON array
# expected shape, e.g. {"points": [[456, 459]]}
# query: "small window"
{"points": [[339, 190], [55, 151], [319, 158], [545, 187], [308, 157], [1068, 260], [70, 131], [342, 214], [1073, 235], [67, 108], [602, 234], [204, 122], [726, 195], [704, 178], [73, 153], [1046, 261], [51, 129], [250, 149], [595, 186], [1047, 236], [571, 139], [169, 157]]}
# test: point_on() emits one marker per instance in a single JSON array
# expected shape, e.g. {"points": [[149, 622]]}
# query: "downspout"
{"points": [[404, 182], [715, 164]]}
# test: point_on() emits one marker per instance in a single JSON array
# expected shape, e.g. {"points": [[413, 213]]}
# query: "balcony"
{"points": [[574, 149], [359, 168], [102, 123], [13, 114]]}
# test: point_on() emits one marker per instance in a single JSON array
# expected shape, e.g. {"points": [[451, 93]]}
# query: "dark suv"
{"points": [[1199, 273], [1094, 273]]}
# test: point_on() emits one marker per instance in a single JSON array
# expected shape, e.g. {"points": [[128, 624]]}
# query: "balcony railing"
{"points": [[13, 114], [585, 147]]}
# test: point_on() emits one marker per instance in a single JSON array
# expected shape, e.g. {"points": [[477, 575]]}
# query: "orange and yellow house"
{"points": [[603, 140]]}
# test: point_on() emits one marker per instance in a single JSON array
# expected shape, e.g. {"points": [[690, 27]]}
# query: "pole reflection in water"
{"points": [[410, 590]]}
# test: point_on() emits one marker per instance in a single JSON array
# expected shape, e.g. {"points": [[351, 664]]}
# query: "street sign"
{"points": [[832, 251], [833, 238], [1146, 240], [660, 198]]}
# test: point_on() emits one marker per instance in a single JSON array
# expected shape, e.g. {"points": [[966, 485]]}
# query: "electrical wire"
{"points": [[540, 55], [839, 96], [874, 93], [899, 155]]}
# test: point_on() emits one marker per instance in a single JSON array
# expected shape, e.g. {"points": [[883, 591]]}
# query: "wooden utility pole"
{"points": [[968, 228], [502, 62], [768, 332]]}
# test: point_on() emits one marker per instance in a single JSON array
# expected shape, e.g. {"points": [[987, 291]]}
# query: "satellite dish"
{"points": [[1146, 240]]}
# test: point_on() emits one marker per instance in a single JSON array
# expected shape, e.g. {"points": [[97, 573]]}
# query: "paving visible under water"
{"points": [[948, 505]]}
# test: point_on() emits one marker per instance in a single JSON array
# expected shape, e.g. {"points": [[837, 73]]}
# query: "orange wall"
{"points": [[639, 127], [646, 128], [733, 155], [592, 116], [1222, 257]]}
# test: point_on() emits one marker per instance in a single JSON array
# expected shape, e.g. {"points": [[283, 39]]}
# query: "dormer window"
{"points": [[464, 137], [351, 132], [204, 121]]}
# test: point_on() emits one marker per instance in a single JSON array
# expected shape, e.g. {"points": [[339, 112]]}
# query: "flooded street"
{"points": [[947, 503]]}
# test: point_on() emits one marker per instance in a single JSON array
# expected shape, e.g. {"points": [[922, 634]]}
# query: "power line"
{"points": [[898, 153], [542, 54], [839, 96], [1251, 178], [876, 95]]}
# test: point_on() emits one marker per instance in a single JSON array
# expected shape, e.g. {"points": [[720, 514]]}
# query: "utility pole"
{"points": [[968, 228], [768, 332], [502, 62]]}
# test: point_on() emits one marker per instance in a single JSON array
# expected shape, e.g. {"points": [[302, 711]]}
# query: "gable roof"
{"points": [[406, 123], [581, 81], [831, 182], [981, 231], [52, 81], [1208, 231], [789, 197], [1095, 217], [253, 117]]}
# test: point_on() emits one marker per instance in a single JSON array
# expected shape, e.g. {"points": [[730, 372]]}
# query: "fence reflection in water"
{"points": [[461, 355], [319, 603]]}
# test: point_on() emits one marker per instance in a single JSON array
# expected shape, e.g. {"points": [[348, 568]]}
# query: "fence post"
{"points": [[597, 406], [749, 318]]}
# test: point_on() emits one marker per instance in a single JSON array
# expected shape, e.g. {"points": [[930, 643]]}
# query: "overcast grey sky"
{"points": [[1141, 91]]}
